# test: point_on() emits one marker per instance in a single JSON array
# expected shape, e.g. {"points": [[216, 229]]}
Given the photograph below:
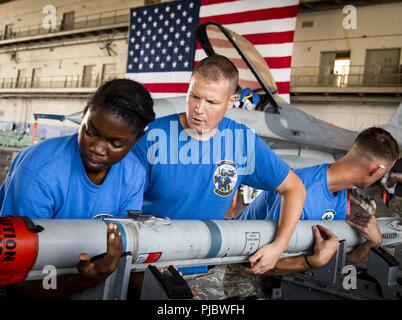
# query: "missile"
{"points": [[27, 246]]}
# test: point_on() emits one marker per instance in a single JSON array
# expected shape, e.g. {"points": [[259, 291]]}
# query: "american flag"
{"points": [[162, 43]]}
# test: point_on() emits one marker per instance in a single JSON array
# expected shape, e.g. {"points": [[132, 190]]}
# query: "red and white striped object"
{"points": [[268, 24]]}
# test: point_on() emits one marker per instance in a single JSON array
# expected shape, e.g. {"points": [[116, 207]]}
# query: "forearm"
{"points": [[66, 286], [292, 205], [359, 254], [288, 265]]}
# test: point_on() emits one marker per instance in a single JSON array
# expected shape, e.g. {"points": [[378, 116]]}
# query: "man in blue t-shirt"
{"points": [[372, 155], [196, 160], [86, 175]]}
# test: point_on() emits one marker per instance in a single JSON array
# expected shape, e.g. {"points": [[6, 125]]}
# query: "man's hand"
{"points": [[265, 258], [324, 249], [95, 272], [368, 226]]}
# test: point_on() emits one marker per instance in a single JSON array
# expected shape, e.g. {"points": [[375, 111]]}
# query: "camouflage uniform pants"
{"points": [[239, 284], [395, 204], [208, 285]]}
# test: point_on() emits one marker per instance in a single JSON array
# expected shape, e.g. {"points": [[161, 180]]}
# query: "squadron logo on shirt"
{"points": [[328, 215], [225, 178]]}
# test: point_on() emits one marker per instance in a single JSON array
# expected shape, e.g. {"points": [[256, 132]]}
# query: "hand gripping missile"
{"points": [[27, 246]]}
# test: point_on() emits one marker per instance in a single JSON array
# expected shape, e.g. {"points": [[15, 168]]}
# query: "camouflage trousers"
{"points": [[395, 205], [225, 282]]}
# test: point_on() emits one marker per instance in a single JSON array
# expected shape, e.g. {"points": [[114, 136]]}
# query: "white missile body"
{"points": [[160, 242], [186, 242]]}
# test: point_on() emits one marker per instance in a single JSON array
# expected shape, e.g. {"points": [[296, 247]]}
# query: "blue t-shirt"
{"points": [[192, 179], [320, 203], [48, 180]]}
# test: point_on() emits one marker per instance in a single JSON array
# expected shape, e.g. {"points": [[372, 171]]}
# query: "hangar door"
{"points": [[382, 67]]}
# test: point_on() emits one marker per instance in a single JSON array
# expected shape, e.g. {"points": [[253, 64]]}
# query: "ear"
{"points": [[373, 170], [232, 100]]}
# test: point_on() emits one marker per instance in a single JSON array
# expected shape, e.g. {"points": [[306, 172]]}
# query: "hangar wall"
{"points": [[72, 64]]}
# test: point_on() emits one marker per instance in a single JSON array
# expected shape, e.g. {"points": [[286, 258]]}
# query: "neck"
{"points": [[204, 136], [97, 177], [341, 175]]}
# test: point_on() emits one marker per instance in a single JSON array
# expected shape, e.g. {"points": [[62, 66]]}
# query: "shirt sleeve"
{"points": [[26, 194], [266, 170]]}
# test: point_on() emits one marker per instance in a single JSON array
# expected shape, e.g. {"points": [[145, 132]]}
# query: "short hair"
{"points": [[126, 99], [379, 143], [217, 67]]}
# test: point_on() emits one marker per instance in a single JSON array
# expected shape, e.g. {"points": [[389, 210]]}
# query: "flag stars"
{"points": [[137, 46], [155, 24], [132, 40], [191, 5], [168, 58], [178, 21], [140, 66], [142, 52], [174, 64], [183, 28], [130, 66], [147, 45], [158, 44], [146, 59], [180, 57], [134, 14], [139, 19], [156, 10], [189, 34], [145, 12], [190, 19], [135, 60], [142, 39], [161, 16], [151, 65], [157, 58], [162, 65], [179, 7], [153, 38], [171, 29], [187, 49], [186, 64], [131, 53], [149, 32], [150, 18], [172, 15], [170, 43], [184, 13], [164, 51], [182, 43], [138, 33], [144, 25], [166, 22], [152, 51], [160, 30], [165, 36], [177, 35], [176, 50], [167, 9]]}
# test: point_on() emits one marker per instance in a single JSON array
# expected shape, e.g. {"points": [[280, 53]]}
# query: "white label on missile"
{"points": [[252, 243]]}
